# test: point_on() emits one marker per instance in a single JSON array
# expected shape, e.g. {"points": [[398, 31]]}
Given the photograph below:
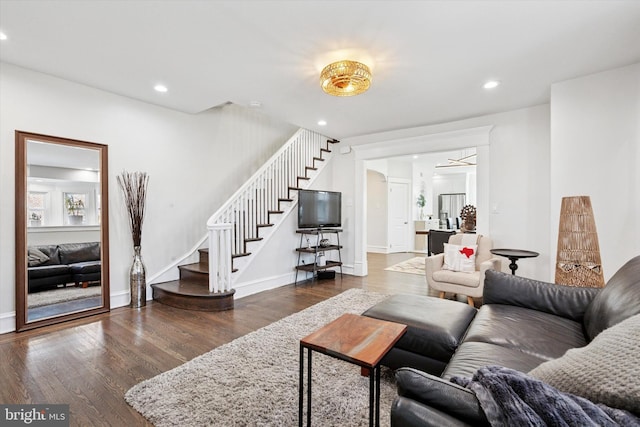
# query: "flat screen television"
{"points": [[318, 209]]}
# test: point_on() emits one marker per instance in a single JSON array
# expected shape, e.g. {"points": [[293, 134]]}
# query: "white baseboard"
{"points": [[360, 268], [7, 322], [122, 298], [378, 249], [255, 286]]}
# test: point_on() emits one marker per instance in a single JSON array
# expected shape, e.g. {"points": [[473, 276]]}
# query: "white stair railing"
{"points": [[248, 209]]}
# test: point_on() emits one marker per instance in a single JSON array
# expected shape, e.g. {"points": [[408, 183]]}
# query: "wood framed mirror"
{"points": [[62, 229]]}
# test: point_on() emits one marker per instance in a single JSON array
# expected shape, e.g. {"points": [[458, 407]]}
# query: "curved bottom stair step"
{"points": [[188, 295]]}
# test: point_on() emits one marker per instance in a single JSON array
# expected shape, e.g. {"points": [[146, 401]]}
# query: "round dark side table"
{"points": [[514, 255]]}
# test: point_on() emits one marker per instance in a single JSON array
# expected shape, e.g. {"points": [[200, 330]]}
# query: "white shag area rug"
{"points": [[411, 266], [53, 296], [253, 380]]}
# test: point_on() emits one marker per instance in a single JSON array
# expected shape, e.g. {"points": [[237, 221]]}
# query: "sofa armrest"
{"points": [[441, 395], [407, 412], [565, 301]]}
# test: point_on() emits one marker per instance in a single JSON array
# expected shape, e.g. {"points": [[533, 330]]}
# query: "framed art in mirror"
{"points": [[62, 229]]}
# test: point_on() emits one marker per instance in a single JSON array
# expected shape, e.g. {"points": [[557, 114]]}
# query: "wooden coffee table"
{"points": [[360, 340]]}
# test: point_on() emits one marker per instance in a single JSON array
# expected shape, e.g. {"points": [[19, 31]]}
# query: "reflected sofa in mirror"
{"points": [[62, 246]]}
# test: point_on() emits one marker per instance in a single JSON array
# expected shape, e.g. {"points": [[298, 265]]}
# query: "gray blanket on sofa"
{"points": [[511, 398]]}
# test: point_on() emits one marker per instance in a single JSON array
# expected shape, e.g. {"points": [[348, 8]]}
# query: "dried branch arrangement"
{"points": [[134, 189]]}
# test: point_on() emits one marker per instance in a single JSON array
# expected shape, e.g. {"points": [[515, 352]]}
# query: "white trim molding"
{"points": [[392, 144], [7, 322]]}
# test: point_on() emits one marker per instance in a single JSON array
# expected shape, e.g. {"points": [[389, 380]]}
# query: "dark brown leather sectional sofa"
{"points": [[521, 324], [53, 265]]}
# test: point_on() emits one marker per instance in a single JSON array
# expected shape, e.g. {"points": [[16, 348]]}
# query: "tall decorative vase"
{"points": [[138, 280], [578, 260]]}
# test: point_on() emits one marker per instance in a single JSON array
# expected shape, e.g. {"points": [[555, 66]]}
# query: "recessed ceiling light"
{"points": [[255, 104], [160, 88], [491, 84], [3, 36], [322, 122], [415, 156]]}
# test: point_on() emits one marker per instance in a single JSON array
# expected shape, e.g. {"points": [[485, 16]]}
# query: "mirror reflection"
{"points": [[63, 219]]}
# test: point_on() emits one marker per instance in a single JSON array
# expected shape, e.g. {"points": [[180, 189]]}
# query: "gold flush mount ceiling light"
{"points": [[345, 78]]}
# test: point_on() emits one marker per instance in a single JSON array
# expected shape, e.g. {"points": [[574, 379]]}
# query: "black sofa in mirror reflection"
{"points": [[61, 264]]}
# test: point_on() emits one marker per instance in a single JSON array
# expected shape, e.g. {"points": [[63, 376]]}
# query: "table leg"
{"points": [[513, 266], [309, 352], [371, 396], [377, 369], [301, 386]]}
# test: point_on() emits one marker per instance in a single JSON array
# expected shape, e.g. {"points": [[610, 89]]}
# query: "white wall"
{"points": [[595, 151], [399, 168], [377, 195], [518, 175], [194, 162]]}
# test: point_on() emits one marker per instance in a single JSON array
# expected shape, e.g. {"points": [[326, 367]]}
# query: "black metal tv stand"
{"points": [[316, 249]]}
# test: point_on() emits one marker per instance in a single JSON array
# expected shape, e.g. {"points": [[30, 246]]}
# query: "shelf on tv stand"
{"points": [[315, 267], [316, 249], [315, 231]]}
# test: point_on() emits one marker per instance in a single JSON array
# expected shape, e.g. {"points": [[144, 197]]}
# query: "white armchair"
{"points": [[469, 284]]}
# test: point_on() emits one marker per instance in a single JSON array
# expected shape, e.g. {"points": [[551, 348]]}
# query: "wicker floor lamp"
{"points": [[578, 260]]}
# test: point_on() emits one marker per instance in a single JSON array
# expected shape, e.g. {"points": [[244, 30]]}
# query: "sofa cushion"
{"points": [[48, 271], [434, 326], [605, 371], [565, 301], [71, 253], [50, 251], [470, 280], [617, 301], [472, 356], [540, 334], [36, 257], [85, 267]]}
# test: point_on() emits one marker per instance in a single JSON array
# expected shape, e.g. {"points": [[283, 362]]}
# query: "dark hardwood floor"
{"points": [[91, 363]]}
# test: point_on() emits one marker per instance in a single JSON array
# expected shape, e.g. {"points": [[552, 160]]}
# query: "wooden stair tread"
{"points": [[274, 212], [264, 225], [333, 141], [241, 254], [325, 150], [185, 287], [303, 177], [196, 267], [319, 159], [189, 295], [253, 239], [311, 168], [295, 188]]}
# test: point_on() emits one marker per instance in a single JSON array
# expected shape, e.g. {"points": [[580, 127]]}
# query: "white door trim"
{"points": [[391, 144]]}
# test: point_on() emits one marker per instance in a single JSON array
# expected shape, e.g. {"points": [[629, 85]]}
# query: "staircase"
{"points": [[237, 231]]}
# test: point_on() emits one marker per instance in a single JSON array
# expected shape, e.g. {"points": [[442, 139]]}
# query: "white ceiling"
{"points": [[429, 58], [41, 153]]}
